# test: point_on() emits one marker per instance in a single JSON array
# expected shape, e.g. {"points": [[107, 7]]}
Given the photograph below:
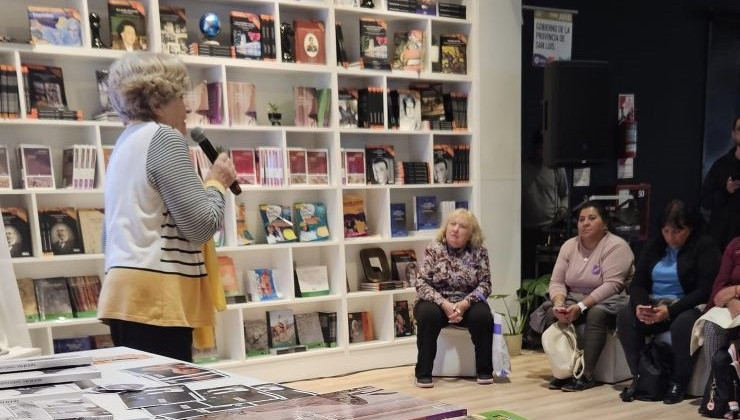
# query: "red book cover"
{"points": [[310, 45]]}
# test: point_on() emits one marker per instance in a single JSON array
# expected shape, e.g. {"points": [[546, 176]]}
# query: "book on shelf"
{"points": [[281, 328], [306, 106], [270, 166], [370, 107], [380, 164], [278, 224], [432, 106], [267, 38], [453, 50], [84, 292], [255, 337], [17, 231], [52, 296], [91, 229], [409, 110], [374, 44], [10, 108], [101, 341], [127, 20], [408, 50], [44, 362], [229, 280], [426, 7], [355, 222], [459, 110], [444, 158], [243, 236], [452, 10], [107, 152], [196, 100], [347, 106], [412, 172], [402, 319], [398, 220], [393, 109], [215, 112], [246, 34], [37, 167], [353, 167], [308, 328], [261, 284], [297, 172], [323, 103], [317, 166], [298, 348], [368, 286], [242, 101], [311, 281], [354, 324], [404, 266], [72, 344], [55, 26], [78, 167], [408, 6], [27, 291], [328, 322], [426, 212], [47, 376], [60, 231], [173, 26], [342, 59], [310, 43], [311, 221], [245, 165]]}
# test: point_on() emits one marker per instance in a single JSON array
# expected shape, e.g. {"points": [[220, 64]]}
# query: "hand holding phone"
{"points": [[561, 309], [646, 309]]}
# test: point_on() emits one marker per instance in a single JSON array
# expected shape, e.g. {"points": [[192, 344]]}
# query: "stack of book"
{"points": [[381, 285], [412, 173], [408, 6], [9, 99], [452, 10], [46, 370]]}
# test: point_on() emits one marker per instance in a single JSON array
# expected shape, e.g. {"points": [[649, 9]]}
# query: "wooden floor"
{"points": [[524, 393]]}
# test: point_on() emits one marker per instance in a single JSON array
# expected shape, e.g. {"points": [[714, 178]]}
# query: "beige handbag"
{"points": [[561, 347]]}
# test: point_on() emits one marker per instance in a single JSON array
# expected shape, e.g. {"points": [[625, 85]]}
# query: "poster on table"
{"points": [[553, 37]]}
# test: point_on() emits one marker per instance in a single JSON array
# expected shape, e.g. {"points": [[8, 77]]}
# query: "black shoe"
{"points": [[675, 394], [579, 384], [484, 379], [628, 394], [558, 383], [424, 382]]}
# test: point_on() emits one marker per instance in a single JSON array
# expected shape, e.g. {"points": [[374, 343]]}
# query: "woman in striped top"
{"points": [[158, 212]]}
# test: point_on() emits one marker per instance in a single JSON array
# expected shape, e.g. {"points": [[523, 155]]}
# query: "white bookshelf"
{"points": [[274, 81]]}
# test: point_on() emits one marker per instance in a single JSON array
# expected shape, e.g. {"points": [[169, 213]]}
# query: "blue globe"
{"points": [[210, 25]]}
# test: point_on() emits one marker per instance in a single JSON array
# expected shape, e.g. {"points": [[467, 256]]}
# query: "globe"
{"points": [[210, 25]]}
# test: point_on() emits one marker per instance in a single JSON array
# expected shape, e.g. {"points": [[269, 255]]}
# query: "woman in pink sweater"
{"points": [[587, 286]]}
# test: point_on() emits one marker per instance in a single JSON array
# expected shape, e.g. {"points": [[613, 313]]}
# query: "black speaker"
{"points": [[578, 117]]}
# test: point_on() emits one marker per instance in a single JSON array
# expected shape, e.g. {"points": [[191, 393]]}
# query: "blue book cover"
{"points": [[54, 26], [427, 213], [398, 220], [278, 223], [462, 204], [310, 221]]}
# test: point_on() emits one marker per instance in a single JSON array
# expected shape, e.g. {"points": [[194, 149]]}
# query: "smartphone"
{"points": [[647, 309], [561, 309]]}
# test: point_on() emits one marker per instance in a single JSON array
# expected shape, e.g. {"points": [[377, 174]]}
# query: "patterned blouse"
{"points": [[453, 274]]}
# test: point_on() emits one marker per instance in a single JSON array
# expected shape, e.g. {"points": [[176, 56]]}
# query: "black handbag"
{"points": [[654, 371], [720, 398]]}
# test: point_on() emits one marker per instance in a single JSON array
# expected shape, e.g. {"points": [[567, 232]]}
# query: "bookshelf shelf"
{"points": [[274, 82]]}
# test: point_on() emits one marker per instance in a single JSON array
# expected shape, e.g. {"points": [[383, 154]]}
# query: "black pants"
{"points": [[174, 342], [632, 335], [430, 319]]}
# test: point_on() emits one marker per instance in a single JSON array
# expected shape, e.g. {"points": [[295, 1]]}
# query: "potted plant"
{"points": [[273, 113], [529, 296]]}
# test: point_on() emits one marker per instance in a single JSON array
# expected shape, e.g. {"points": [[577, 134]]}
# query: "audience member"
{"points": [[587, 287], [674, 274], [452, 285]]}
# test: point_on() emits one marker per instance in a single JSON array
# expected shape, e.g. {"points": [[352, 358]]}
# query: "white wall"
{"points": [[499, 116]]}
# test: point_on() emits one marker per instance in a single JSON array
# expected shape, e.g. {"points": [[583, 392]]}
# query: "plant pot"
{"points": [[514, 344], [275, 117]]}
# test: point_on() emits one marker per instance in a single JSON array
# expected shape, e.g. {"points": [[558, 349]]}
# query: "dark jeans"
{"points": [[174, 342], [632, 334], [430, 319]]}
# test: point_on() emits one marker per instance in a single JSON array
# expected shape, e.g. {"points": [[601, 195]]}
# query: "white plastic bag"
{"points": [[501, 362]]}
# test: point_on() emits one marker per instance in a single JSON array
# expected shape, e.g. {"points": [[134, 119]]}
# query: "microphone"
{"points": [[199, 136]]}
